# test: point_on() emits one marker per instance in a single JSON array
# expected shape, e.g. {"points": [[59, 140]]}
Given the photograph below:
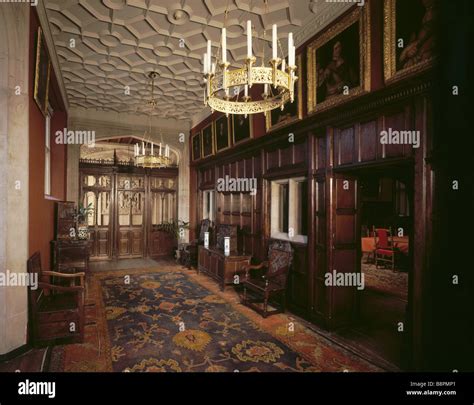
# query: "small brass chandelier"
{"points": [[144, 152], [278, 78]]}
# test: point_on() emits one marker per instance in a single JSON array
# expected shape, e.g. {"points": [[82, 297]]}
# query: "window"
{"points": [[289, 209], [208, 205], [47, 156]]}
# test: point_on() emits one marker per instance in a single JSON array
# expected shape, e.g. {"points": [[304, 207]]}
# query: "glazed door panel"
{"points": [[97, 192], [130, 216], [163, 213]]}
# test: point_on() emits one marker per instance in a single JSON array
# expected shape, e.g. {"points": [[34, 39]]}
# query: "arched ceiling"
{"points": [[118, 42]]}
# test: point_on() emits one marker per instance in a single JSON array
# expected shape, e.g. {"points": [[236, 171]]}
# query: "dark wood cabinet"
{"points": [[220, 267]]}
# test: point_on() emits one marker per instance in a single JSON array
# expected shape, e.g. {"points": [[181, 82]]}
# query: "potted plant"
{"points": [[176, 229], [81, 220]]}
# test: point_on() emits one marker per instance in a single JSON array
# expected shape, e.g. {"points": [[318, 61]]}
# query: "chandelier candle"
{"points": [[274, 44], [224, 46], [220, 78], [249, 39]]}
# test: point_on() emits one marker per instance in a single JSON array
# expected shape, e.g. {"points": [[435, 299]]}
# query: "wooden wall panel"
{"points": [[368, 141], [397, 122], [344, 146]]}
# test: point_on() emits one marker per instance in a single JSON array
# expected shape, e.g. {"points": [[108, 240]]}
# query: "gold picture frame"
{"points": [[215, 123], [391, 72], [250, 120], [42, 69], [203, 154], [360, 15], [299, 101], [193, 150]]}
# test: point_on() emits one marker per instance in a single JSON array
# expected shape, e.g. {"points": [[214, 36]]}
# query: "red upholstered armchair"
{"points": [[384, 248], [268, 279]]}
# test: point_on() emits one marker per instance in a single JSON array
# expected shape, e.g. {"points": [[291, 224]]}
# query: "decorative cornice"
{"points": [[43, 18]]}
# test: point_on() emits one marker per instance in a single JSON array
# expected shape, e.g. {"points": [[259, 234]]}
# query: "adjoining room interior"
{"points": [[190, 174]]}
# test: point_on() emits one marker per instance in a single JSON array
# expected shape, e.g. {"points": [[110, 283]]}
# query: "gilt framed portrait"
{"points": [[222, 133], [207, 141], [410, 39], [291, 112], [196, 146], [241, 128], [42, 73], [339, 61]]}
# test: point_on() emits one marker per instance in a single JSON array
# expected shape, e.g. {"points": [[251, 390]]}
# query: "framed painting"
{"points": [[42, 73], [207, 141], [292, 111], [339, 61], [410, 38], [196, 146], [241, 128], [222, 133]]}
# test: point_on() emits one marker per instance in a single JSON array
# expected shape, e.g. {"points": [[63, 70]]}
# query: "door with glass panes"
{"points": [[97, 194], [130, 219]]}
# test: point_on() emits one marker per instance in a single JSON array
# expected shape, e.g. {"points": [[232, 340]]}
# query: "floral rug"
{"points": [[171, 319]]}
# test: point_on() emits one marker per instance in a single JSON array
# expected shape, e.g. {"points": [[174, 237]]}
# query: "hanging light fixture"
{"points": [[148, 154], [278, 78]]}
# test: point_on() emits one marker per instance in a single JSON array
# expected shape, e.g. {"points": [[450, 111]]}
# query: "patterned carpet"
{"points": [[387, 281], [171, 319]]}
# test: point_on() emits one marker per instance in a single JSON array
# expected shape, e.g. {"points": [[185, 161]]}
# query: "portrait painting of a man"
{"points": [[222, 133]]}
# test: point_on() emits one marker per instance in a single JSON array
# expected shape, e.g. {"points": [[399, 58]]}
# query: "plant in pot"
{"points": [[176, 229], [81, 220]]}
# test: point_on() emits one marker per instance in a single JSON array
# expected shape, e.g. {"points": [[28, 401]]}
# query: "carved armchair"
{"points": [[267, 280], [56, 308], [189, 252]]}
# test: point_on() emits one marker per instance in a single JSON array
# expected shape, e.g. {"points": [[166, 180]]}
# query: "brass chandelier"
{"points": [[278, 78], [147, 154]]}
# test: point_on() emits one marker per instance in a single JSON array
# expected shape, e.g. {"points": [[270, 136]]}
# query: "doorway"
{"points": [[385, 229], [133, 211]]}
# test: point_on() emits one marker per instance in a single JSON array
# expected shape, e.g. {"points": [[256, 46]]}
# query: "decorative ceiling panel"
{"points": [[105, 45]]}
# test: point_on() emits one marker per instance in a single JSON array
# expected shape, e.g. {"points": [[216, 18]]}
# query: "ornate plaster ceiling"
{"points": [[118, 42]]}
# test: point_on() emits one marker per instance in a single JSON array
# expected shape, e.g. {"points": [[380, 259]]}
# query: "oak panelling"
{"points": [[343, 299], [344, 247], [273, 159], [344, 146], [300, 153], [298, 279], [396, 122], [346, 193], [369, 141], [319, 299], [286, 156], [321, 153], [248, 164]]}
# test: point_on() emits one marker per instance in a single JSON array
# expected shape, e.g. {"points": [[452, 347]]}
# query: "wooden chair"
{"points": [[56, 307], [384, 248], [268, 279], [189, 252]]}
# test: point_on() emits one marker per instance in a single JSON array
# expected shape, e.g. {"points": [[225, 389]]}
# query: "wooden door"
{"points": [[97, 191], [130, 230], [344, 257], [163, 210]]}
